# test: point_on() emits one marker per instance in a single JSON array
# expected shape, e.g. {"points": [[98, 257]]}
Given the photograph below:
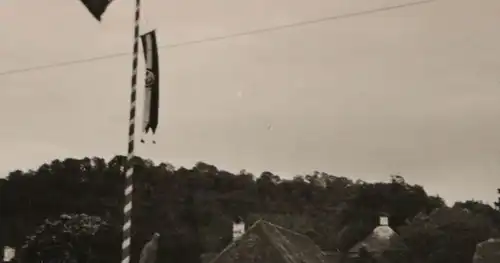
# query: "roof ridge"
{"points": [[281, 228], [292, 247], [283, 250], [233, 242]]}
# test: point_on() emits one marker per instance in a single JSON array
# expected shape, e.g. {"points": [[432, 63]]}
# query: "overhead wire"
{"points": [[219, 38]]}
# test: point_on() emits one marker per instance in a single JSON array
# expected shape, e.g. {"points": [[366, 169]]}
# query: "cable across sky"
{"points": [[219, 38]]}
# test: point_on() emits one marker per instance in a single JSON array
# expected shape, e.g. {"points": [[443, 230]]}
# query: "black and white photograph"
{"points": [[257, 131]]}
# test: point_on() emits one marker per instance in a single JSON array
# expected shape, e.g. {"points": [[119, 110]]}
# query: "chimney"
{"points": [[383, 220], [238, 228], [8, 254]]}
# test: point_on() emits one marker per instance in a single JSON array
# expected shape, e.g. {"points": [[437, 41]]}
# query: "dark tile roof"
{"points": [[487, 251], [383, 238], [265, 242], [207, 257], [333, 257]]}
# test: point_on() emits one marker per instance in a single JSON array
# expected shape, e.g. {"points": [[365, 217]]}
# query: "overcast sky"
{"points": [[414, 91]]}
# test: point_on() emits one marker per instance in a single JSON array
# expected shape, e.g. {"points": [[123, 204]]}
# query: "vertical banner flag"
{"points": [[96, 7], [152, 83]]}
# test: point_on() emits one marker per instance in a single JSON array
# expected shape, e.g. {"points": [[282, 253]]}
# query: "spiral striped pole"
{"points": [[129, 187]]}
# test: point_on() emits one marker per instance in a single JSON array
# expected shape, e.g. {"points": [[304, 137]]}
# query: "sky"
{"points": [[411, 91]]}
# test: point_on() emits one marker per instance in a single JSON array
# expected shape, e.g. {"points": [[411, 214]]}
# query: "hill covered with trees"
{"points": [[193, 209]]}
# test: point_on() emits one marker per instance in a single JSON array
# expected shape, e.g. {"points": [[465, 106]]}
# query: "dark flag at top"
{"points": [[152, 83], [97, 7]]}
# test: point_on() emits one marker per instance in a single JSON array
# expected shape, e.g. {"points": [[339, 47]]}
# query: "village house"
{"points": [[264, 241]]}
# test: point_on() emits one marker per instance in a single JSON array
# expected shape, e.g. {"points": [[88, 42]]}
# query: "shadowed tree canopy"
{"points": [[193, 209], [71, 238]]}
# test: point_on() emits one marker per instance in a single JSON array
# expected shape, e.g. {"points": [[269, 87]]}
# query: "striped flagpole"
{"points": [[129, 187]]}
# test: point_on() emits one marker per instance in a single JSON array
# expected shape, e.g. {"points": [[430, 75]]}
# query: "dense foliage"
{"points": [[193, 209], [69, 238]]}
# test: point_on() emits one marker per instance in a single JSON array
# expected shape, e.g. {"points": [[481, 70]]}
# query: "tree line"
{"points": [[193, 210]]}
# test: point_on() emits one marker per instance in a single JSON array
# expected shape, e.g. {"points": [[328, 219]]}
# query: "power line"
{"points": [[219, 38]]}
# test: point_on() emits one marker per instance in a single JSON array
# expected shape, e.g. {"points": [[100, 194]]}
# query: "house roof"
{"points": [[382, 238], [333, 257], [207, 257], [266, 242], [295, 222], [487, 251]]}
